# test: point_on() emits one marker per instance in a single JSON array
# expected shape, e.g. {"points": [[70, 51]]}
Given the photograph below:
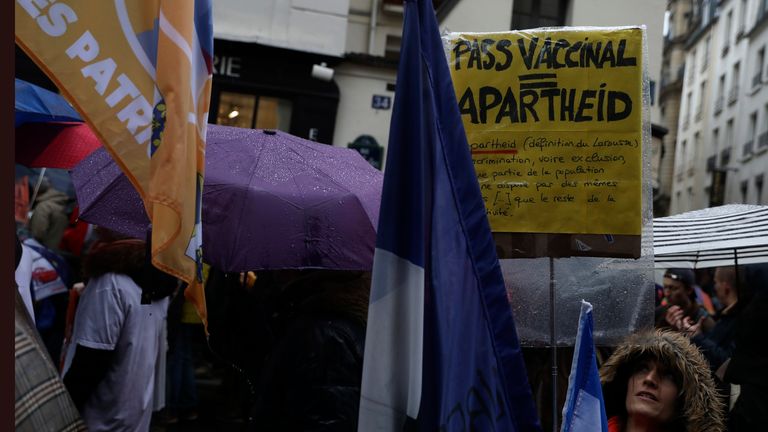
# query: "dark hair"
{"points": [[686, 276]]}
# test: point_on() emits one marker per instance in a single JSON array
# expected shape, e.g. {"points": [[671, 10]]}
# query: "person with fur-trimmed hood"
{"points": [[659, 381]]}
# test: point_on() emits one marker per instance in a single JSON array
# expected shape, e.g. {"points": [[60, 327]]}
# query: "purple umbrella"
{"points": [[270, 201]]}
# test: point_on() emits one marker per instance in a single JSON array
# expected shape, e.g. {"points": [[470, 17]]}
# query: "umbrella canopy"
{"points": [[54, 145], [270, 201], [712, 237], [35, 104]]}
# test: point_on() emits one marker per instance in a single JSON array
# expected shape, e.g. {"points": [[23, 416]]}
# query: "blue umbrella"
{"points": [[35, 104]]}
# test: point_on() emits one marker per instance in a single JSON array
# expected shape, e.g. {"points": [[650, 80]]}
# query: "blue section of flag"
{"points": [[432, 215], [584, 409]]}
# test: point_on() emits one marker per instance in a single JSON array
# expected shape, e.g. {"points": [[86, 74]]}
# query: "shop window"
{"points": [[254, 112]]}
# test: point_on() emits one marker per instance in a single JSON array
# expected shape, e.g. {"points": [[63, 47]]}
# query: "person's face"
{"points": [[651, 393], [676, 292]]}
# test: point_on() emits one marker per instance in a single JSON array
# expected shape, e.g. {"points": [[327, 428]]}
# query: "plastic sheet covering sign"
{"points": [[140, 74], [553, 119]]}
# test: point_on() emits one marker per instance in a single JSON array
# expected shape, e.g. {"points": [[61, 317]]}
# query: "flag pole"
{"points": [[553, 340]]}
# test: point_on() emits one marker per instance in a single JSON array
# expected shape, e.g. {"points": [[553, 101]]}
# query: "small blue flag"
{"points": [[584, 409]]}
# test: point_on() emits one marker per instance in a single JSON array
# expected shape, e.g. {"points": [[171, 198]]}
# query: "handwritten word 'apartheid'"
{"points": [[492, 54], [532, 101]]}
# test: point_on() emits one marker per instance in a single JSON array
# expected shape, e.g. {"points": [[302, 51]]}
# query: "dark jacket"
{"points": [[701, 409], [749, 369], [312, 375], [718, 344]]}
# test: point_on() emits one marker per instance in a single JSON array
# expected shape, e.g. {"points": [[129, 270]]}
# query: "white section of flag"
{"points": [[391, 388]]}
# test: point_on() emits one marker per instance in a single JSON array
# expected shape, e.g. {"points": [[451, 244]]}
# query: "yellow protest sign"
{"points": [[554, 122]]}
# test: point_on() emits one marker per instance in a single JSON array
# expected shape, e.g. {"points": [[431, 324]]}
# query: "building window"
{"points": [[528, 14], [700, 107], [729, 132], [742, 18], [759, 188], [692, 66], [652, 90], [252, 111], [758, 77], [725, 157], [687, 116], [720, 94], [749, 144], [715, 138], [762, 140], [744, 190], [727, 31], [683, 160], [733, 93], [392, 47], [705, 60]]}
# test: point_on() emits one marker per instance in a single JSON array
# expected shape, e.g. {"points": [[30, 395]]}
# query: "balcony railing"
{"points": [[711, 161], [762, 141], [725, 50], [719, 104], [733, 95], [725, 157], [747, 149]]}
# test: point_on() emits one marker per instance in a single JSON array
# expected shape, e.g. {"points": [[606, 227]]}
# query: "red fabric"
{"points": [[74, 235], [614, 424], [54, 145], [74, 297]]}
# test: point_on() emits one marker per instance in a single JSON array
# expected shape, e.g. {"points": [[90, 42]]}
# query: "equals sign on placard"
{"points": [[538, 81]]}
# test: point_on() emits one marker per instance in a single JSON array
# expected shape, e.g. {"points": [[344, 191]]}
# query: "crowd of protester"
{"points": [[97, 319]]}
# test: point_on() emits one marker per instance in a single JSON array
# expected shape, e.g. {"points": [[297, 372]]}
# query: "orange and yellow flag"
{"points": [[139, 71]]}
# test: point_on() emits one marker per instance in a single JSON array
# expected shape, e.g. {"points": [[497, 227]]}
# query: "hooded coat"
{"points": [[49, 217], [699, 407]]}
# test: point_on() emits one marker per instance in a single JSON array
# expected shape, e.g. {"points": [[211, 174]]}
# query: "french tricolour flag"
{"points": [[441, 350]]}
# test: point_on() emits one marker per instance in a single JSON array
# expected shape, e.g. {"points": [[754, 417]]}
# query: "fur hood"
{"points": [[126, 256], [701, 408]]}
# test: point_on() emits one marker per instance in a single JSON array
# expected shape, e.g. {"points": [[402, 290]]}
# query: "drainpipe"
{"points": [[372, 27]]}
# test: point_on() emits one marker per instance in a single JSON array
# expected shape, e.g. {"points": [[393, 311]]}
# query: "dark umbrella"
{"points": [[270, 201], [35, 104]]}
